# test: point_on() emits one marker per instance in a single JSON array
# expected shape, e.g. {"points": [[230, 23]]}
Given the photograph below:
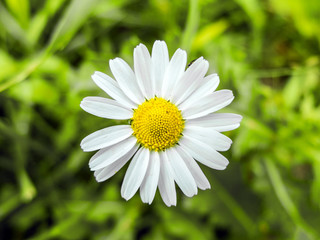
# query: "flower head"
{"points": [[172, 124]]}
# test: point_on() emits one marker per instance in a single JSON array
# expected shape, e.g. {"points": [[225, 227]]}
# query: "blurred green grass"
{"points": [[267, 52]]}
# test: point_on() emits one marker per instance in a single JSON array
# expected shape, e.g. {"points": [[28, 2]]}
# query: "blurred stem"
{"points": [[41, 19], [285, 200], [21, 126], [278, 72], [236, 210], [316, 184], [62, 226], [8, 205], [28, 190], [23, 74], [191, 25], [125, 224]]}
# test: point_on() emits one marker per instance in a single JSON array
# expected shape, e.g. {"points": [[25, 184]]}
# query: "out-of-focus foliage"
{"points": [[267, 52]]}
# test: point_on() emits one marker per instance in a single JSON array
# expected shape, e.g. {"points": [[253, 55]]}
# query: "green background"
{"points": [[267, 52]]}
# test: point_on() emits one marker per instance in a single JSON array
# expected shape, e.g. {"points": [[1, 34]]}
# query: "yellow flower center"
{"points": [[157, 124]]}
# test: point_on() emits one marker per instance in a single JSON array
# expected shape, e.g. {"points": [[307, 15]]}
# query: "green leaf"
{"points": [[293, 89], [21, 10], [208, 33], [40, 20], [75, 15], [11, 26]]}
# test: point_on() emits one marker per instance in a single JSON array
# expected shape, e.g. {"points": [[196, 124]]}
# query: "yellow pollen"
{"points": [[157, 124]]}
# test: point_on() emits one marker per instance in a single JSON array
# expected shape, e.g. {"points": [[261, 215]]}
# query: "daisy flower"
{"points": [[172, 124]]}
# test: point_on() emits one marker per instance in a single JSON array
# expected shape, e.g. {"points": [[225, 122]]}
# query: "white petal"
{"points": [[199, 177], [160, 61], [190, 80], [209, 136], [166, 182], [227, 128], [97, 172], [142, 69], [135, 173], [208, 104], [218, 121], [126, 79], [174, 72], [203, 153], [181, 173], [108, 155], [106, 108], [107, 172], [112, 88], [206, 86], [106, 137], [150, 182]]}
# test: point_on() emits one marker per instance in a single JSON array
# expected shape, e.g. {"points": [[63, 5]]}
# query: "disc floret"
{"points": [[157, 124]]}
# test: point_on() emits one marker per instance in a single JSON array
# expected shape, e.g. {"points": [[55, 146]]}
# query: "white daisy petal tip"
{"points": [[182, 52], [159, 95], [139, 47], [96, 73]]}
